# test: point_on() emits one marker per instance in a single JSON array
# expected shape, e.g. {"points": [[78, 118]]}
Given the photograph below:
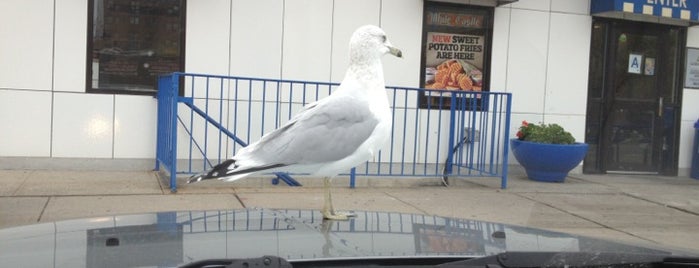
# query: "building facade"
{"points": [[616, 76]]}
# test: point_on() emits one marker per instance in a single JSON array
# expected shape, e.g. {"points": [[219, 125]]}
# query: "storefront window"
{"points": [[455, 50], [131, 42]]}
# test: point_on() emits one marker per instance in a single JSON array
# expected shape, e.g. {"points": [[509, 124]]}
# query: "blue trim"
{"points": [[617, 6]]}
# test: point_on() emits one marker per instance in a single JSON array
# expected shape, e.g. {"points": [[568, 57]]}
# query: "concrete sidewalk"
{"points": [[645, 209]]}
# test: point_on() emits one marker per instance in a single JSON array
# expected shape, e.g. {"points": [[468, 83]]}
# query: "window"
{"points": [[456, 42], [131, 42]]}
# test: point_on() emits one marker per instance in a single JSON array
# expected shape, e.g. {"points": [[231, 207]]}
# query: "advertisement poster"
{"points": [[455, 55], [454, 62]]}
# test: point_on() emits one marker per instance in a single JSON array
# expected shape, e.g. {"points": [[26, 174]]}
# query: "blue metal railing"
{"points": [[205, 119]]}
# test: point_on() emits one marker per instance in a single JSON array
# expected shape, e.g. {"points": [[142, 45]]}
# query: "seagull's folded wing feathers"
{"points": [[327, 131]]}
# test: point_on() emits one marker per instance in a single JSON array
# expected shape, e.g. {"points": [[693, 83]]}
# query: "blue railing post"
{"points": [[506, 145], [452, 130], [353, 175], [173, 94]]}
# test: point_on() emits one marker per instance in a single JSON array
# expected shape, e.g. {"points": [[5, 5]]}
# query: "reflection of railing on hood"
{"points": [[380, 226]]}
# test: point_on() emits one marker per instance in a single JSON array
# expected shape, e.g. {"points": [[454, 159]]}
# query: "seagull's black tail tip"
{"points": [[196, 178], [215, 172]]}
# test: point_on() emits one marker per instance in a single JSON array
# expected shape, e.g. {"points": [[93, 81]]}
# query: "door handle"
{"points": [[660, 106]]}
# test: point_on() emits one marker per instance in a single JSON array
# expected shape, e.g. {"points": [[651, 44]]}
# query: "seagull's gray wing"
{"points": [[330, 130]]}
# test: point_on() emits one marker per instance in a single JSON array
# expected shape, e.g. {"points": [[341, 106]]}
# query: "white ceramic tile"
{"points": [[256, 41], [349, 15], [199, 134], [134, 126], [693, 36], [402, 22], [83, 125], [26, 120], [571, 6], [26, 43], [70, 46], [690, 98], [568, 64], [402, 146], [500, 45], [208, 31], [433, 135], [686, 144], [307, 40], [526, 68], [542, 5]]}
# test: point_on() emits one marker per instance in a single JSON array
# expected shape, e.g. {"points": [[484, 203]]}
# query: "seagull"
{"points": [[331, 135]]}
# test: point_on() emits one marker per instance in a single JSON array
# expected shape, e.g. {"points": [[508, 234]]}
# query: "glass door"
{"points": [[636, 97]]}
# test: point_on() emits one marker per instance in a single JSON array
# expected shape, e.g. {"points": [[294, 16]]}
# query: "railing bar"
{"points": [[249, 111], [291, 101], [191, 126], [264, 102], [235, 115], [415, 137], [278, 103], [439, 131], [220, 119], [195, 143], [206, 125], [405, 124], [393, 127], [427, 128]]}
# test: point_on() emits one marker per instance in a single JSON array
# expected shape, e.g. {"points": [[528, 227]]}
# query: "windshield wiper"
{"points": [[504, 260], [264, 261], [574, 259]]}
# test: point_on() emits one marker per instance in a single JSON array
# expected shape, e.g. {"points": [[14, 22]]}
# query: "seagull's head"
{"points": [[370, 42]]}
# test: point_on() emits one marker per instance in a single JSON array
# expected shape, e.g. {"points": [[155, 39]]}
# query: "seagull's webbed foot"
{"points": [[328, 211], [336, 215]]}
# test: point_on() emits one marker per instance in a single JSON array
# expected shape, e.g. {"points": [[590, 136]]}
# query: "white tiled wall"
{"points": [[567, 67], [501, 42], [26, 38], [25, 120], [256, 44], [527, 59], [69, 63], [540, 5], [402, 21], [307, 40], [207, 37], [347, 16], [540, 54], [690, 115], [134, 126], [581, 7], [83, 125]]}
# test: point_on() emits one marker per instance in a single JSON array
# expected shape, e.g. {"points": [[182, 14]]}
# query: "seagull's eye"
{"points": [[383, 39]]}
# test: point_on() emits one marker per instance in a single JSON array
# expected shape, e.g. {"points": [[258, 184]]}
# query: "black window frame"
{"points": [[90, 46]]}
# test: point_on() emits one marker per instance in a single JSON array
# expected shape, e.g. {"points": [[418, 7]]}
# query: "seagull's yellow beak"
{"points": [[395, 52]]}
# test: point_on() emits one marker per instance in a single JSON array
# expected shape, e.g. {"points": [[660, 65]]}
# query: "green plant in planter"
{"points": [[544, 133]]}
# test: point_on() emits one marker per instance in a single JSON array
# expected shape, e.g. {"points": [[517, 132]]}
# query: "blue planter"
{"points": [[548, 162]]}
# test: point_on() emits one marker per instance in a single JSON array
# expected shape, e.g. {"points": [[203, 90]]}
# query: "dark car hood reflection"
{"points": [[173, 238]]}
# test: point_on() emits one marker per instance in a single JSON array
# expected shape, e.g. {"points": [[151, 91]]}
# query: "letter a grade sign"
{"points": [[635, 63]]}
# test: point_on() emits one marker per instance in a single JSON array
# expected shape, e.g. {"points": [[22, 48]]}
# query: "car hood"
{"points": [[174, 238]]}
